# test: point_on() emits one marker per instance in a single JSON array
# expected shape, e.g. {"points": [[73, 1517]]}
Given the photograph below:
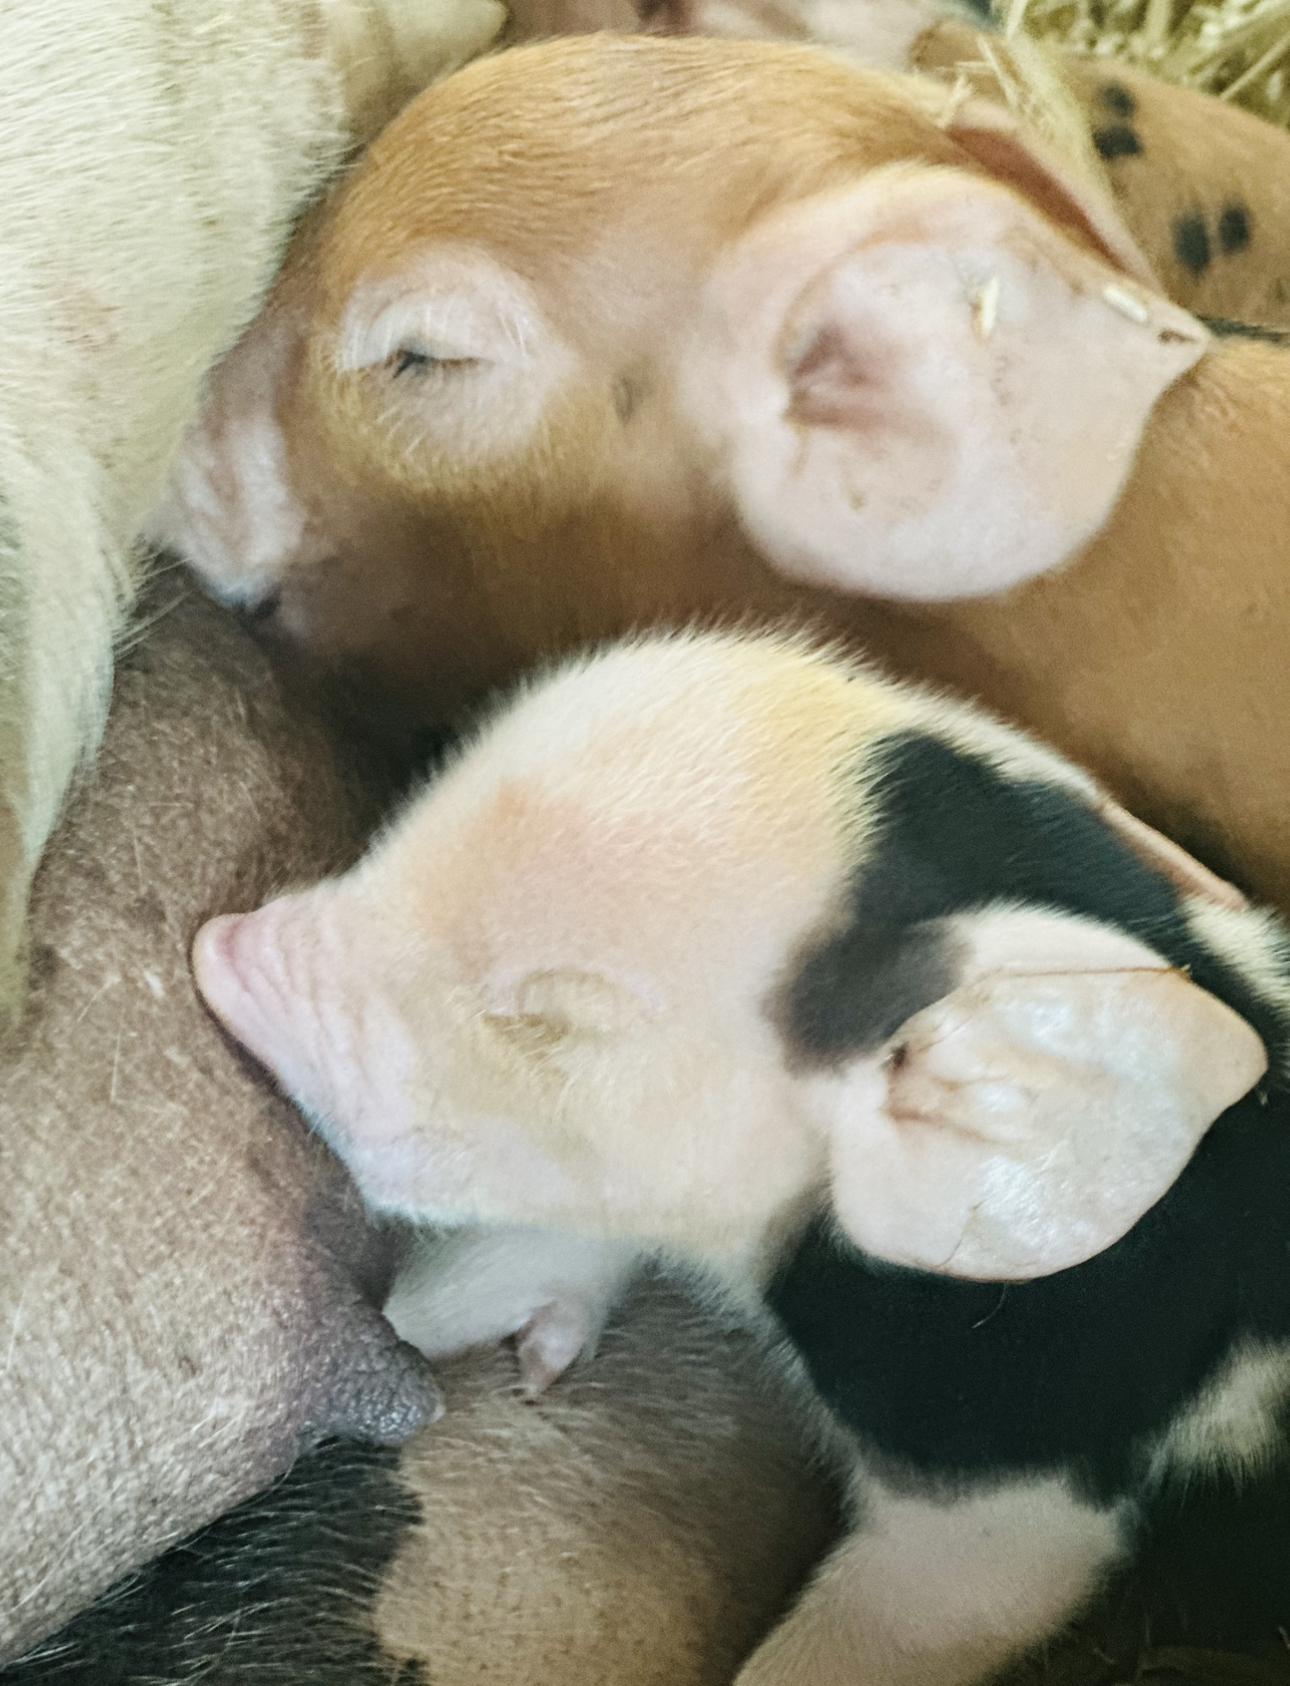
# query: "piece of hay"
{"points": [[1236, 49]]}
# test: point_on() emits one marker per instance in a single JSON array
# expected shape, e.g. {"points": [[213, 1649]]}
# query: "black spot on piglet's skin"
{"points": [[1117, 140], [952, 837], [1191, 244], [856, 989], [1081, 1371], [1234, 228], [1117, 99]]}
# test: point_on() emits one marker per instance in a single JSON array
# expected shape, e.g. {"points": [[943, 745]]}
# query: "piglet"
{"points": [[890, 1029], [787, 338]]}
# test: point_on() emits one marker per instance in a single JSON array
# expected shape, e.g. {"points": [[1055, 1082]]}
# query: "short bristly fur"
{"points": [[187, 1300], [598, 1537], [887, 1025], [152, 161]]}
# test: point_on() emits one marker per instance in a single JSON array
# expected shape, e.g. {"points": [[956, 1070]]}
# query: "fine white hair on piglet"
{"points": [[472, 1288]]}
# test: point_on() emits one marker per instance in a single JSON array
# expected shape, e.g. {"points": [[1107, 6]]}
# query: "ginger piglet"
{"points": [[806, 338]]}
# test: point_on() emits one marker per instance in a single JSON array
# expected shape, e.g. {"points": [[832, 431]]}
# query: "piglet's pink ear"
{"points": [[992, 136], [1162, 855], [936, 390], [1026, 1121]]}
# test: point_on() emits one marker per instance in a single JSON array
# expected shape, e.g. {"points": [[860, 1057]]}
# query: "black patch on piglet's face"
{"points": [[955, 836]]}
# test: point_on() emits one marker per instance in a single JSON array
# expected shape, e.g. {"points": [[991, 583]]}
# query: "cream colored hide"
{"points": [[554, 994], [152, 161]]}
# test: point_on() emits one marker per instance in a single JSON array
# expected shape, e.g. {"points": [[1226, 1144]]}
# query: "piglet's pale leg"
{"points": [[476, 1288], [934, 1592]]}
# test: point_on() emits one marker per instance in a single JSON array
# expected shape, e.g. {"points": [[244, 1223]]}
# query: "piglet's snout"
{"points": [[256, 974], [234, 967]]}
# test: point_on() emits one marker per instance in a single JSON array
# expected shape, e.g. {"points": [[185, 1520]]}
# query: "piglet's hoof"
{"points": [[552, 1339]]}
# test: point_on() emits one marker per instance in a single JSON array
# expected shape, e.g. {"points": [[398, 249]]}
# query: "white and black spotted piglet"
{"points": [[869, 1013]]}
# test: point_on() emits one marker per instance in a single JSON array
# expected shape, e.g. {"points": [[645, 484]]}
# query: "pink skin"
{"points": [[926, 1151], [253, 977], [222, 969], [1034, 1113], [272, 978], [972, 1154], [280, 981]]}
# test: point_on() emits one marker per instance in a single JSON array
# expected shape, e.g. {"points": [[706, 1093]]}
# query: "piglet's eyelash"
{"points": [[409, 360]]}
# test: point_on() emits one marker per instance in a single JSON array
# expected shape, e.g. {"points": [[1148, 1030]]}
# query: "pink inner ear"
{"points": [[922, 389], [839, 380], [1028, 1120]]}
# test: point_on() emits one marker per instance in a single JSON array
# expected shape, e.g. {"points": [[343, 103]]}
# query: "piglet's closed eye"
{"points": [[1028, 1119]]}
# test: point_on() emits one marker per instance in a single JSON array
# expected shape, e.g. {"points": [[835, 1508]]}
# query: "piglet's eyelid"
{"points": [[414, 360]]}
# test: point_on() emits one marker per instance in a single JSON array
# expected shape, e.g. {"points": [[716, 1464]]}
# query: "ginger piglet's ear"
{"points": [[923, 387]]}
